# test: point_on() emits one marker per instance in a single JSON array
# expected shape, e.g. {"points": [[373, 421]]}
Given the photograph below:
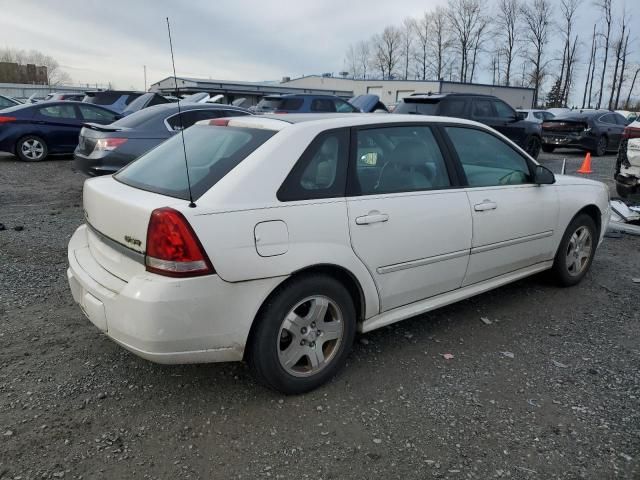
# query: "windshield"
{"points": [[270, 104], [212, 152]]}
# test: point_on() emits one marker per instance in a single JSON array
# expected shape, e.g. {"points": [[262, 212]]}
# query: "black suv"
{"points": [[485, 109]]}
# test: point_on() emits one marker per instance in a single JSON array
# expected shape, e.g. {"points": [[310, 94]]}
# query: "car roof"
{"points": [[337, 120], [298, 95], [448, 94]]}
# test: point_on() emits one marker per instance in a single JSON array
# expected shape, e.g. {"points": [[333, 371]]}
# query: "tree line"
{"points": [[539, 44], [55, 75]]}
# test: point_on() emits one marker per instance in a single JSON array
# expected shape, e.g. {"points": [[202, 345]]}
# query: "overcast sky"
{"points": [[102, 41]]}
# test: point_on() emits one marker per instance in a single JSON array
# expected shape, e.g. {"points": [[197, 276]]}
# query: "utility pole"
{"points": [[145, 77]]}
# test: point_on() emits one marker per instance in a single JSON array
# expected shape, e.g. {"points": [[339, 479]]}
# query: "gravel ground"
{"points": [[548, 390]]}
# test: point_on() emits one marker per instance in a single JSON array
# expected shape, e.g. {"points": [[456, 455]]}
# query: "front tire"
{"points": [[548, 148], [576, 251], [533, 146], [303, 335], [601, 147], [31, 149]]}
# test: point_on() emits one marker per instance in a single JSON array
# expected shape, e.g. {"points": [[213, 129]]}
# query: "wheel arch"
{"points": [[339, 273], [596, 215]]}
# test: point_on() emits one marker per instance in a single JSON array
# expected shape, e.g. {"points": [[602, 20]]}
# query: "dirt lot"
{"points": [[549, 390]]}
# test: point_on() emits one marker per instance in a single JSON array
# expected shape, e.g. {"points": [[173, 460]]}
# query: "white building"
{"points": [[393, 91]]}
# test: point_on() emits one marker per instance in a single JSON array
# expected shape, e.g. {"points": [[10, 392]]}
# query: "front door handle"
{"points": [[372, 217], [485, 205]]}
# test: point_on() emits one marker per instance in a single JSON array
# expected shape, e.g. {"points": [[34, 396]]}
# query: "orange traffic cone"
{"points": [[586, 164]]}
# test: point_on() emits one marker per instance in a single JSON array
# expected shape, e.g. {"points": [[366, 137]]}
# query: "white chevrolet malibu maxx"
{"points": [[307, 228]]}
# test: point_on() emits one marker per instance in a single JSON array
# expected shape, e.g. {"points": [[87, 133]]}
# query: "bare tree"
{"points": [[440, 42], [591, 62], [466, 19], [422, 29], [633, 83], [363, 51], [387, 51], [605, 6], [623, 59], [568, 10], [537, 19], [479, 38], [407, 34], [55, 74], [508, 33], [619, 46], [352, 61]]}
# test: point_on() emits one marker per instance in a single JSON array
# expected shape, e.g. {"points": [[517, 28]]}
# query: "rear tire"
{"points": [[548, 148], [576, 251], [601, 147], [31, 149], [303, 335]]}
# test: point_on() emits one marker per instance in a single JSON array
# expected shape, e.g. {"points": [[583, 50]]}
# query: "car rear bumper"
{"points": [[99, 166], [578, 141], [162, 319]]}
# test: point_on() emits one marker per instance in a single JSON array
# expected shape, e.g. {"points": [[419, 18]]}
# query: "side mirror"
{"points": [[543, 176]]}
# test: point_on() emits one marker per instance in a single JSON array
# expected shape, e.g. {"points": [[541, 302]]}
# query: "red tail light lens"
{"points": [[7, 119], [108, 144], [173, 249], [219, 122], [631, 132]]}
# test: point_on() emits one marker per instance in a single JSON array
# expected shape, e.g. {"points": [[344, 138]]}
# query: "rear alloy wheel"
{"points": [[548, 148], [533, 146], [601, 146], [576, 251], [31, 149], [303, 335]]}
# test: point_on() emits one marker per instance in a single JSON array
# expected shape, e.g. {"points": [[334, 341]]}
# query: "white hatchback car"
{"points": [[308, 228]]}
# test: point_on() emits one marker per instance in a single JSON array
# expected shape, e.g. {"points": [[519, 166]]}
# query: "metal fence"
{"points": [[23, 90]]}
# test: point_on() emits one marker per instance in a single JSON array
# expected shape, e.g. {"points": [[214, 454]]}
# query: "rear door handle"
{"points": [[372, 217], [485, 205]]}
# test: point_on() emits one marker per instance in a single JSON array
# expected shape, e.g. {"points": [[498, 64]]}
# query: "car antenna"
{"points": [[184, 146]]}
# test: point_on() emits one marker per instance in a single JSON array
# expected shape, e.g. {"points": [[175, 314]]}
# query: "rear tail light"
{"points": [[219, 122], [108, 144], [631, 132], [7, 119], [173, 249]]}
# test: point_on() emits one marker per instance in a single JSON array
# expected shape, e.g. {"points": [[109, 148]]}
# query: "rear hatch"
{"points": [[418, 106], [118, 208]]}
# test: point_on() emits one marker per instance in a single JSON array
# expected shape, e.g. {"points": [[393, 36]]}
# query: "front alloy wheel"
{"points": [[303, 334], [576, 251], [31, 149]]}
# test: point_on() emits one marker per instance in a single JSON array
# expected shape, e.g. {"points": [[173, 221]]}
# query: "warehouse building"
{"points": [[393, 91]]}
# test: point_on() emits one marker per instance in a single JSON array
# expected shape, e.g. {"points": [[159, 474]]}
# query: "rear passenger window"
{"points": [[321, 171], [487, 160], [452, 108], [58, 111], [482, 108], [322, 105], [398, 159]]}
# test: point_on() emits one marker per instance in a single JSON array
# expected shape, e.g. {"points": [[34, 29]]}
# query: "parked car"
{"points": [[303, 104], [596, 131], [307, 228], [369, 104], [629, 116], [34, 131], [627, 173], [6, 102], [144, 101], [537, 116], [485, 109], [558, 110], [59, 97], [116, 100], [104, 149]]}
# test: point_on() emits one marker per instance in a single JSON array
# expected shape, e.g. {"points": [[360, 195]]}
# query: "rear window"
{"points": [[280, 104], [109, 98], [139, 118], [212, 152], [418, 106]]}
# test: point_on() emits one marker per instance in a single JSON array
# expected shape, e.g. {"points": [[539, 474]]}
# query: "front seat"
{"points": [[406, 170]]}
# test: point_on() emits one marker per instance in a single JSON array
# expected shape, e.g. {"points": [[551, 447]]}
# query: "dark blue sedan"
{"points": [[34, 131]]}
